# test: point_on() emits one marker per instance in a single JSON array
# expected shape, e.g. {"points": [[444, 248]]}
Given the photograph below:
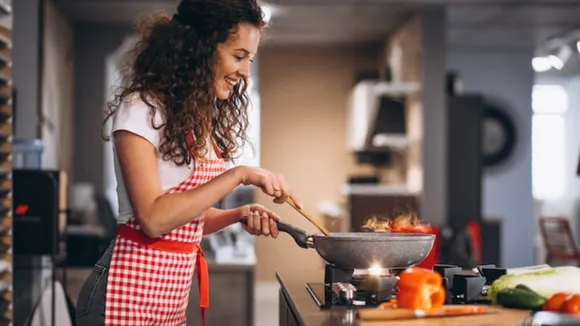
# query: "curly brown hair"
{"points": [[172, 69]]}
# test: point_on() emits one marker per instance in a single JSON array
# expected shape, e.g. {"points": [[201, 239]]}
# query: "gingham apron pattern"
{"points": [[150, 287]]}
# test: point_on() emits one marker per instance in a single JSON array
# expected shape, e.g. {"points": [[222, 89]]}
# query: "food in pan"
{"points": [[406, 223]]}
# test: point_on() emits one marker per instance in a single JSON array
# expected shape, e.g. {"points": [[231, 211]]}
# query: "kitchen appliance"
{"points": [[39, 213], [377, 115], [344, 287]]}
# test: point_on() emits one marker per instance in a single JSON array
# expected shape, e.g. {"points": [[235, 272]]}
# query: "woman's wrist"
{"points": [[239, 213], [238, 174]]}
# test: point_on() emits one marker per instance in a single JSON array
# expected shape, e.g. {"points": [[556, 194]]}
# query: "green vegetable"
{"points": [[520, 297], [543, 282], [525, 288]]}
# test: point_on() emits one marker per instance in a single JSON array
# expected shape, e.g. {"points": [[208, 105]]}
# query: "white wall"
{"points": [[507, 191], [568, 204]]}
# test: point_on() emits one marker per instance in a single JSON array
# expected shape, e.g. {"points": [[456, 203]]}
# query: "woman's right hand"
{"points": [[272, 184]]}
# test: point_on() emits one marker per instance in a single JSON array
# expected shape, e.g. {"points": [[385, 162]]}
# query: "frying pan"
{"points": [[362, 250]]}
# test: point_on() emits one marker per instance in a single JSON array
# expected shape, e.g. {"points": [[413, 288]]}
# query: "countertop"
{"points": [[308, 313]]}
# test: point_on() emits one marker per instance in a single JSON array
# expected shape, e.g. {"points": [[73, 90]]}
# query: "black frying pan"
{"points": [[362, 250]]}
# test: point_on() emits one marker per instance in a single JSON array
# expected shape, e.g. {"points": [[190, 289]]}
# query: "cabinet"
{"points": [[286, 316], [231, 296]]}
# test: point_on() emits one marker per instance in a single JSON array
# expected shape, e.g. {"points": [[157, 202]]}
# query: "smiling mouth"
{"points": [[231, 82]]}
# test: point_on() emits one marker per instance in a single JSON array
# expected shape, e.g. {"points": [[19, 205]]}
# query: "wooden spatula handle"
{"points": [[308, 217]]}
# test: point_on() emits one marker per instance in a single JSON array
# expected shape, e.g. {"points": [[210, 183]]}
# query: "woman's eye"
{"points": [[239, 58]]}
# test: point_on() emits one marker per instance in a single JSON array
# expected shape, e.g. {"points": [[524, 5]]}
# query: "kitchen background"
{"points": [[313, 120]]}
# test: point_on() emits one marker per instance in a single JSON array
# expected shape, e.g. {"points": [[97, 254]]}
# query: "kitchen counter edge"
{"points": [[305, 309]]}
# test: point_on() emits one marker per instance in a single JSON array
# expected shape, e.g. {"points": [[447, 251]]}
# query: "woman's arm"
{"points": [[218, 219], [261, 221], [158, 213]]}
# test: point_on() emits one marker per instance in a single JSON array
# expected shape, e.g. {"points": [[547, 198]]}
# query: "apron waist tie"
{"points": [[201, 268]]}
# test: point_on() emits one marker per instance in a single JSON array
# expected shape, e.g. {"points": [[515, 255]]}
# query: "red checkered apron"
{"points": [[150, 279]]}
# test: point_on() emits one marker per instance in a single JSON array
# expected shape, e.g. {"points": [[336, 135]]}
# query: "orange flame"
{"points": [[405, 223]]}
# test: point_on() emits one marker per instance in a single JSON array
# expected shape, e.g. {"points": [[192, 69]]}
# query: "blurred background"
{"points": [[464, 112]]}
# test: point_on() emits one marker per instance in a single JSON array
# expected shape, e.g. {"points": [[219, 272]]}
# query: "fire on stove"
{"points": [[372, 287]]}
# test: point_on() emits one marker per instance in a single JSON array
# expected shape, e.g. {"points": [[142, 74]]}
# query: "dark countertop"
{"points": [[306, 310], [308, 313]]}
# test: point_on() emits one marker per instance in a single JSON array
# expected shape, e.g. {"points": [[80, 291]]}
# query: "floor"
{"points": [[266, 304]]}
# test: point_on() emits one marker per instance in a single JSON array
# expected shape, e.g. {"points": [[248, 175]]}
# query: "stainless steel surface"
{"points": [[547, 318], [366, 249], [345, 291]]}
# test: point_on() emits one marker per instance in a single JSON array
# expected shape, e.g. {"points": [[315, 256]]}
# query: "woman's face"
{"points": [[233, 59]]}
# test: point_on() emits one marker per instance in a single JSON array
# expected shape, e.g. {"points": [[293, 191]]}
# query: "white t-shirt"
{"points": [[135, 116]]}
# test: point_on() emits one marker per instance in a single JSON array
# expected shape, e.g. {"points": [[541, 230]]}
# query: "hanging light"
{"points": [[558, 58], [541, 64]]}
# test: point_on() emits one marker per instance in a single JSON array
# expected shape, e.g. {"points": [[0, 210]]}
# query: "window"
{"points": [[549, 103]]}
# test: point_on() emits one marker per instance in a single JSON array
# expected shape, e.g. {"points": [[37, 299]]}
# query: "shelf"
{"points": [[5, 95], [6, 186], [5, 61], [5, 42], [5, 80], [396, 89], [5, 9]]}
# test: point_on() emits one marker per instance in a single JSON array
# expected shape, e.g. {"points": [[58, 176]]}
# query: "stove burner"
{"points": [[345, 287], [345, 291], [462, 286], [349, 287]]}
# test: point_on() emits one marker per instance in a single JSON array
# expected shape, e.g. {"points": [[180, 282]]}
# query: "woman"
{"points": [[182, 113]]}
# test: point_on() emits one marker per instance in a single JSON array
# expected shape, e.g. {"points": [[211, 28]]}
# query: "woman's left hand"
{"points": [[261, 221]]}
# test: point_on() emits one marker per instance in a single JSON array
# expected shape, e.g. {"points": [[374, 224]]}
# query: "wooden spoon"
{"points": [[308, 217]]}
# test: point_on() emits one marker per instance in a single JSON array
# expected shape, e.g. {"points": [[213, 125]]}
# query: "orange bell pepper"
{"points": [[420, 289]]}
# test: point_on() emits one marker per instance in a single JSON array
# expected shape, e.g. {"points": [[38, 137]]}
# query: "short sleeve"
{"points": [[135, 116]]}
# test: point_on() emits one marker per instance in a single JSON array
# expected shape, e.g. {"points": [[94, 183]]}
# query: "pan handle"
{"points": [[300, 236]]}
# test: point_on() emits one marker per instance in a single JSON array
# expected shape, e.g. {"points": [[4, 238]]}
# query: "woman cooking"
{"points": [[181, 114]]}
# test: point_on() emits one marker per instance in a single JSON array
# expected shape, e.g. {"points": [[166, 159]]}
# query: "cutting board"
{"points": [[495, 317]]}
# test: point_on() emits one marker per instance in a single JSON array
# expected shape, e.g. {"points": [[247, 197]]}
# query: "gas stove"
{"points": [[367, 288]]}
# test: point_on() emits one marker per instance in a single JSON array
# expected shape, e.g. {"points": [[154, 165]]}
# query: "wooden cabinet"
{"points": [[231, 296]]}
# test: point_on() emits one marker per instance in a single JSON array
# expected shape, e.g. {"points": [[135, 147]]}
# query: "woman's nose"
{"points": [[244, 70]]}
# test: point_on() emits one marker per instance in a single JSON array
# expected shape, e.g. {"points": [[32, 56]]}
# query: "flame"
{"points": [[376, 270], [407, 223]]}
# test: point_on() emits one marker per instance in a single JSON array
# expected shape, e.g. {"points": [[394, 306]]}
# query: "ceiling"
{"points": [[472, 23]]}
